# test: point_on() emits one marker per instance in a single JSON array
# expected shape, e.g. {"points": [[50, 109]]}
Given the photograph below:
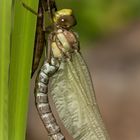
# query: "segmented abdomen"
{"points": [[42, 104]]}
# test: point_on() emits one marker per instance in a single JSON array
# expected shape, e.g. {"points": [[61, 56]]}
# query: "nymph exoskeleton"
{"points": [[40, 40]]}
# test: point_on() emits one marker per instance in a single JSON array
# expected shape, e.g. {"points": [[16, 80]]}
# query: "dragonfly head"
{"points": [[64, 18]]}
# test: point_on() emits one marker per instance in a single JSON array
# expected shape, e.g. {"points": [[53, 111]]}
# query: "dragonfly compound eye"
{"points": [[66, 21], [64, 18]]}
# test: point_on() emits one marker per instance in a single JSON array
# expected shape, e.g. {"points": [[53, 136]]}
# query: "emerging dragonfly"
{"points": [[71, 87]]}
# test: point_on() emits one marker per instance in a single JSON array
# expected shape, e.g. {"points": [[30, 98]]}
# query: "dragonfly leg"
{"points": [[49, 50], [49, 28], [51, 9], [43, 16], [30, 9]]}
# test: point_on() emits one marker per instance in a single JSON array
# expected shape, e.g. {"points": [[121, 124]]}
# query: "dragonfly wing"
{"points": [[84, 77], [73, 94]]}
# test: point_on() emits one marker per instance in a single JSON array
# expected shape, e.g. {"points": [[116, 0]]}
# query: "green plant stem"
{"points": [[23, 35]]}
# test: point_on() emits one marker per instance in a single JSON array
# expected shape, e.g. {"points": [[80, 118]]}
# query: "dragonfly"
{"points": [[71, 87]]}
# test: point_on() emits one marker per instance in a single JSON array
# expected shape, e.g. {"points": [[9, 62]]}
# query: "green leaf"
{"points": [[5, 28], [23, 35]]}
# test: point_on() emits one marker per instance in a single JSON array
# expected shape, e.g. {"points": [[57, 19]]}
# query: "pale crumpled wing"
{"points": [[73, 95]]}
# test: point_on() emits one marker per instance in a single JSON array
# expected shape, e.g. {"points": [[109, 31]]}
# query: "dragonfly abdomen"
{"points": [[42, 103]]}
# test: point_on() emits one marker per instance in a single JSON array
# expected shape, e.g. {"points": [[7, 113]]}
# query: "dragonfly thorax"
{"points": [[63, 43]]}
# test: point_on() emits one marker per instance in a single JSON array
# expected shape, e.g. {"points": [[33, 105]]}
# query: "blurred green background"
{"points": [[99, 17], [109, 32]]}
